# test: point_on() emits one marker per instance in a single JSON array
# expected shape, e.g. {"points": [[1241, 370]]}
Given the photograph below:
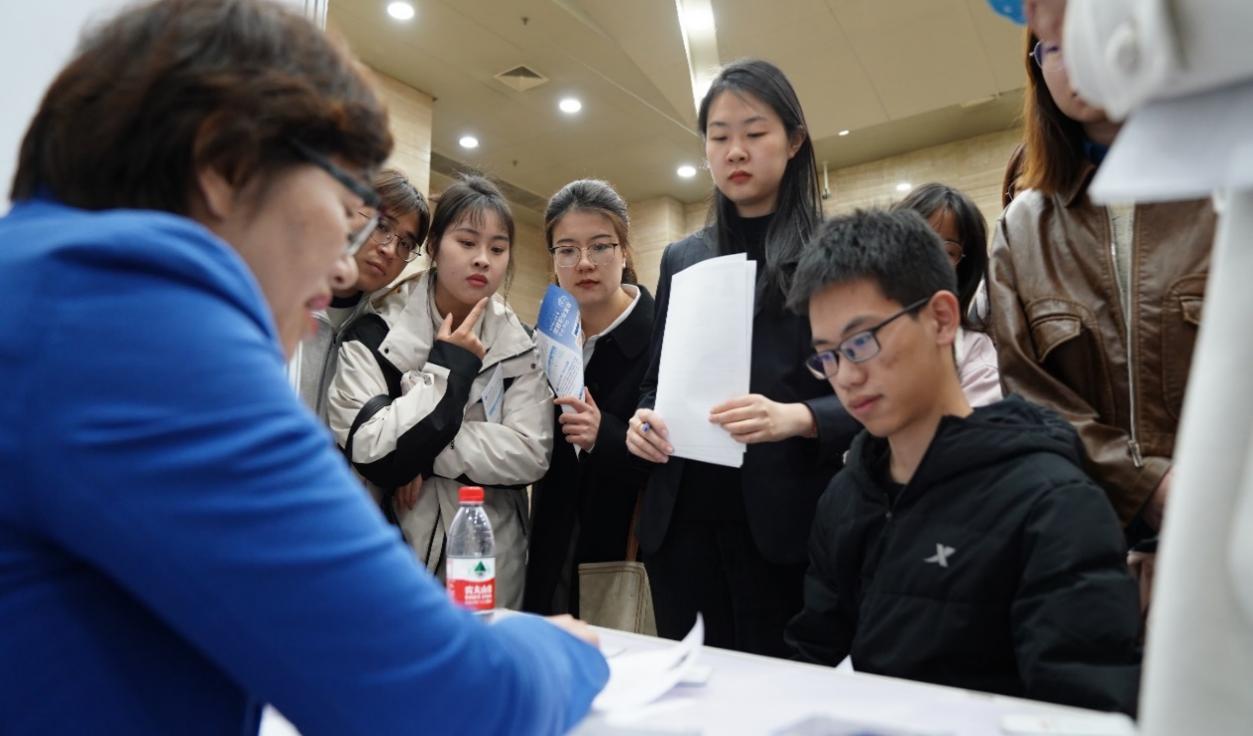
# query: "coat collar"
{"points": [[635, 333]]}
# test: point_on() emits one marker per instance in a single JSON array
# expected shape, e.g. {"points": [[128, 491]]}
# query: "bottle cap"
{"points": [[470, 494]]}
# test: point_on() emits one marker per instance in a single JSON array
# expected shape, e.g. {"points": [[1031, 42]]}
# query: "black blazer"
{"points": [[781, 481], [598, 489]]}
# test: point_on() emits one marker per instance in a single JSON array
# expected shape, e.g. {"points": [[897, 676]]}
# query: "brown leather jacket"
{"points": [[1061, 336]]}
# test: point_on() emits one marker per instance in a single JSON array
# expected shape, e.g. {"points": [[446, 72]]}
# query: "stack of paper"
{"points": [[706, 355]]}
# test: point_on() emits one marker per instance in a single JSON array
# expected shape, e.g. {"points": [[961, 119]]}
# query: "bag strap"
{"points": [[369, 409], [633, 540]]}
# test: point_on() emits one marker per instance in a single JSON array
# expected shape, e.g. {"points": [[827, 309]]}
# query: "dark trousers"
{"points": [[714, 567]]}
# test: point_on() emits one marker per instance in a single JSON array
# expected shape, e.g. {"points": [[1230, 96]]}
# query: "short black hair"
{"points": [[897, 250], [972, 230]]}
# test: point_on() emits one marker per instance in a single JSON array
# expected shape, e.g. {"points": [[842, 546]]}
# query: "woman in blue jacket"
{"points": [[180, 542]]}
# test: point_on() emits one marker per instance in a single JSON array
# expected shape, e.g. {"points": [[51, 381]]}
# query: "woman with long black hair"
{"points": [[731, 543]]}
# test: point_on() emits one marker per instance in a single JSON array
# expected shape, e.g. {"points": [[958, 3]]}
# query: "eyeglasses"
{"points": [[388, 234], [857, 349], [1048, 56], [568, 256], [352, 184], [954, 251]]}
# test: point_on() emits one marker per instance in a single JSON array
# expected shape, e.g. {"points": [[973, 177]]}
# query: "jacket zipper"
{"points": [[1133, 443]]}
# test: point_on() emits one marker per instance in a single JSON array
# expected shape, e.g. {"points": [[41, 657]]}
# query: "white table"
{"points": [[749, 694]]}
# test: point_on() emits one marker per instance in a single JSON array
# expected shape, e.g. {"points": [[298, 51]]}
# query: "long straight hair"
{"points": [[799, 205], [1053, 158]]}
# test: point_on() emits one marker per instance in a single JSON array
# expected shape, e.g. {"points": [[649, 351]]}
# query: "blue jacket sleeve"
{"points": [[175, 459]]}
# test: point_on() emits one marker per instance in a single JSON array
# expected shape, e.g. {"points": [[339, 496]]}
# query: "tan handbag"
{"points": [[616, 595]]}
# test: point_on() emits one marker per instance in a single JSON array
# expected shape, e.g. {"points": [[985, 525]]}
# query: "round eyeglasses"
{"points": [[388, 234], [954, 251], [568, 256]]}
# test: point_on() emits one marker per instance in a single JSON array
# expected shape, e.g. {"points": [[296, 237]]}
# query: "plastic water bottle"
{"points": [[471, 570]]}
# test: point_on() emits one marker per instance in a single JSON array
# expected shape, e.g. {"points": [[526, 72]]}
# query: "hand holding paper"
{"points": [[706, 355], [581, 421]]}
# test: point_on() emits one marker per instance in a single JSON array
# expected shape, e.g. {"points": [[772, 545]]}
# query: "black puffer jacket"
{"points": [[1000, 566]]}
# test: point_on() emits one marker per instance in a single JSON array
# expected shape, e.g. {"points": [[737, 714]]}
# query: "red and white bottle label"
{"points": [[472, 582]]}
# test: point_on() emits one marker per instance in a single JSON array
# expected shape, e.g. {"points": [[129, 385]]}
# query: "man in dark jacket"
{"points": [[959, 547]]}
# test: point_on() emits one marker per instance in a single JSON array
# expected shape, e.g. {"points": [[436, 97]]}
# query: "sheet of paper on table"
{"points": [[638, 678]]}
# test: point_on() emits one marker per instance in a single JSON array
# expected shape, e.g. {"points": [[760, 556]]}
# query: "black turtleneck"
{"points": [[748, 235]]}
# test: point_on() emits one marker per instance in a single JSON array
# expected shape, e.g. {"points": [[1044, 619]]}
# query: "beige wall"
{"points": [[532, 273], [975, 165], [409, 113], [655, 223]]}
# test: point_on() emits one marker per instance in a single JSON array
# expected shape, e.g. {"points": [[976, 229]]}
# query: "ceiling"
{"points": [[898, 74]]}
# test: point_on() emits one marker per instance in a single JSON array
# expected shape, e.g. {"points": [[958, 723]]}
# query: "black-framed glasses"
{"points": [[856, 349], [387, 233], [352, 184], [568, 256], [1047, 55]]}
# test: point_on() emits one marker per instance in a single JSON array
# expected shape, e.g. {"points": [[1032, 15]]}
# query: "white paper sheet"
{"points": [[706, 355], [638, 678], [1181, 149]]}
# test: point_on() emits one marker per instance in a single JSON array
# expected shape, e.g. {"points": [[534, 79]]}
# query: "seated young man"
{"points": [[961, 547]]}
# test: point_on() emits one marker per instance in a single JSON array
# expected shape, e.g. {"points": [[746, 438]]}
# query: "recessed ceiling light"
{"points": [[570, 105], [400, 10], [469, 141], [843, 132], [687, 171], [904, 186]]}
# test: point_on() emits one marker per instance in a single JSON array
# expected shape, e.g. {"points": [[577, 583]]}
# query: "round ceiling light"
{"points": [[904, 186], [570, 105], [468, 141], [843, 133], [400, 10], [687, 171]]}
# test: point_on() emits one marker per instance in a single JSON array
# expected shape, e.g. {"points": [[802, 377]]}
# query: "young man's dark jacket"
{"points": [[999, 567]]}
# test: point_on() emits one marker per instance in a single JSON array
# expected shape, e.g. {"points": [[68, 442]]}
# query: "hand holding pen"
{"points": [[648, 437]]}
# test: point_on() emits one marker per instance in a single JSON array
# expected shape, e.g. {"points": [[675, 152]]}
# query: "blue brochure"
{"points": [[559, 336]]}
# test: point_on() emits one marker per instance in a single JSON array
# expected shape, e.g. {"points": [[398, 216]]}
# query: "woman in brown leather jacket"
{"points": [[1094, 308]]}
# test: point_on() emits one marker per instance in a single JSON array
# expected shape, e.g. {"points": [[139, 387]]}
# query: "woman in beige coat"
{"points": [[441, 387]]}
